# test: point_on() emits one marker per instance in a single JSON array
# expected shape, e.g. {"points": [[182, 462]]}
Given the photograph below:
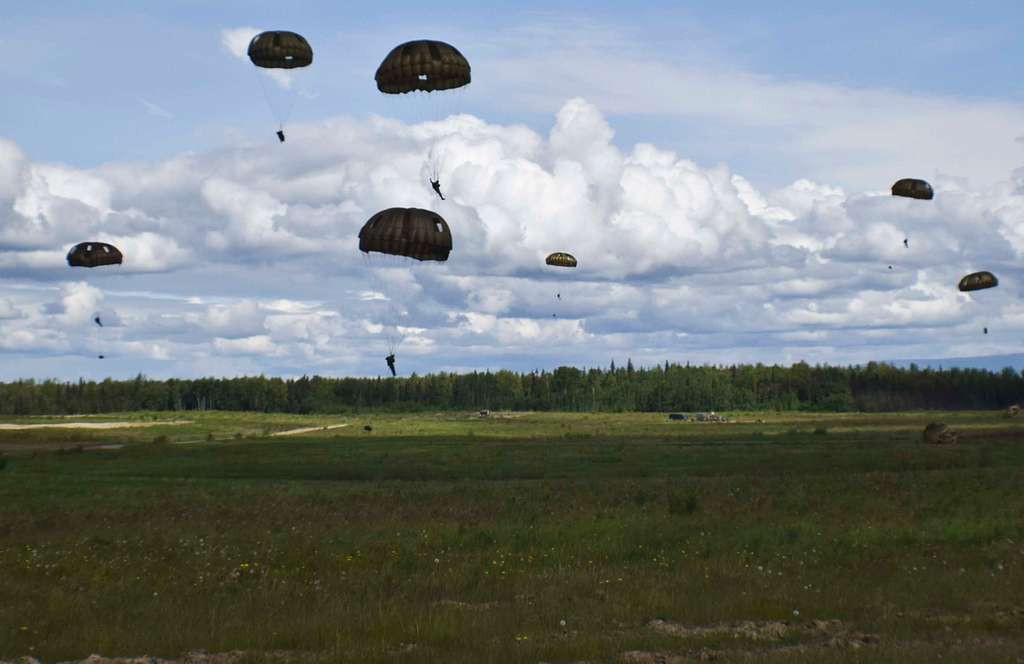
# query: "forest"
{"points": [[874, 387]]}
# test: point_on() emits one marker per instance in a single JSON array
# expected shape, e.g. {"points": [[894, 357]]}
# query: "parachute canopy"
{"points": [[561, 259], [410, 232], [978, 281], [911, 188], [93, 254], [423, 65], [280, 49]]}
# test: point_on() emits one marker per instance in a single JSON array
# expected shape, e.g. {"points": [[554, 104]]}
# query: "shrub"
{"points": [[162, 439], [820, 431], [209, 436], [683, 502]]}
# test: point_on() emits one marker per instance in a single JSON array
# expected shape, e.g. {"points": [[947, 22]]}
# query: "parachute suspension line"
{"points": [[386, 310], [442, 105], [280, 101]]}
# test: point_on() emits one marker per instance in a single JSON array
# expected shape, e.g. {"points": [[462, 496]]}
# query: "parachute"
{"points": [[561, 259], [432, 67], [401, 237], [411, 232], [94, 254], [911, 188], [280, 49], [978, 281], [424, 65]]}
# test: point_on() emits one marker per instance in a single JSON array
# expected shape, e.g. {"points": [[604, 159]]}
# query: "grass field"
{"points": [[516, 538]]}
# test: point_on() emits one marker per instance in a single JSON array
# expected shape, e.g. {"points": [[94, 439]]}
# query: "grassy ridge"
{"points": [[445, 538]]}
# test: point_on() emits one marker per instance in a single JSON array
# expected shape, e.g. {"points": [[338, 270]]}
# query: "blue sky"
{"points": [[85, 71], [721, 170]]}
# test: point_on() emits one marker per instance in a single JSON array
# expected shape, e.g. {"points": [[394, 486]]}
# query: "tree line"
{"points": [[874, 387]]}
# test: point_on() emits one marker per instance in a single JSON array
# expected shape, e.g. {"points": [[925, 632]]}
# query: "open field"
{"points": [[451, 538]]}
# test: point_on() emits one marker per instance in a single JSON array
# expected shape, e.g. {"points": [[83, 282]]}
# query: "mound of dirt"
{"points": [[938, 433]]}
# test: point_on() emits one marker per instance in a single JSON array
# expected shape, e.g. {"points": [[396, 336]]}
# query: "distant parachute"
{"points": [[280, 49], [423, 65], [978, 281], [561, 259], [94, 254], [911, 188]]}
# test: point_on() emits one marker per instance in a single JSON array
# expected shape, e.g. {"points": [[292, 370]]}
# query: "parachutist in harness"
{"points": [[986, 330], [280, 135], [558, 295], [390, 359], [98, 321], [906, 242], [436, 184]]}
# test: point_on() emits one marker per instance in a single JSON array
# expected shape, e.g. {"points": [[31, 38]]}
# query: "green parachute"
{"points": [[94, 254], [978, 281], [432, 67], [912, 188], [400, 238], [280, 49], [561, 259], [423, 65]]}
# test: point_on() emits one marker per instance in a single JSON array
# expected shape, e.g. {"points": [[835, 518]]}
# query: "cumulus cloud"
{"points": [[236, 42], [251, 254]]}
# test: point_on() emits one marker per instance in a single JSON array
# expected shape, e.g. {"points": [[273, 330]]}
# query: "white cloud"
{"points": [[236, 41], [251, 254], [155, 109]]}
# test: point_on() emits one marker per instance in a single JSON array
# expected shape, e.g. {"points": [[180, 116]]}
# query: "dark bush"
{"points": [[683, 502]]}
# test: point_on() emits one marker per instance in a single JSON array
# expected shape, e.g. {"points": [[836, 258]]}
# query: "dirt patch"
{"points": [[296, 432], [197, 657], [89, 425], [471, 606], [832, 633]]}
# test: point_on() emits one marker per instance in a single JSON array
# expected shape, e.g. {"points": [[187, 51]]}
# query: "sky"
{"points": [[721, 173]]}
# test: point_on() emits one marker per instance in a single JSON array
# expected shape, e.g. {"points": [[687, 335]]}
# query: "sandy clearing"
{"points": [[90, 425], [295, 432]]}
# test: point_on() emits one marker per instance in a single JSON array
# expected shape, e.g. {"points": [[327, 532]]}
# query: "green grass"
{"points": [[471, 539]]}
